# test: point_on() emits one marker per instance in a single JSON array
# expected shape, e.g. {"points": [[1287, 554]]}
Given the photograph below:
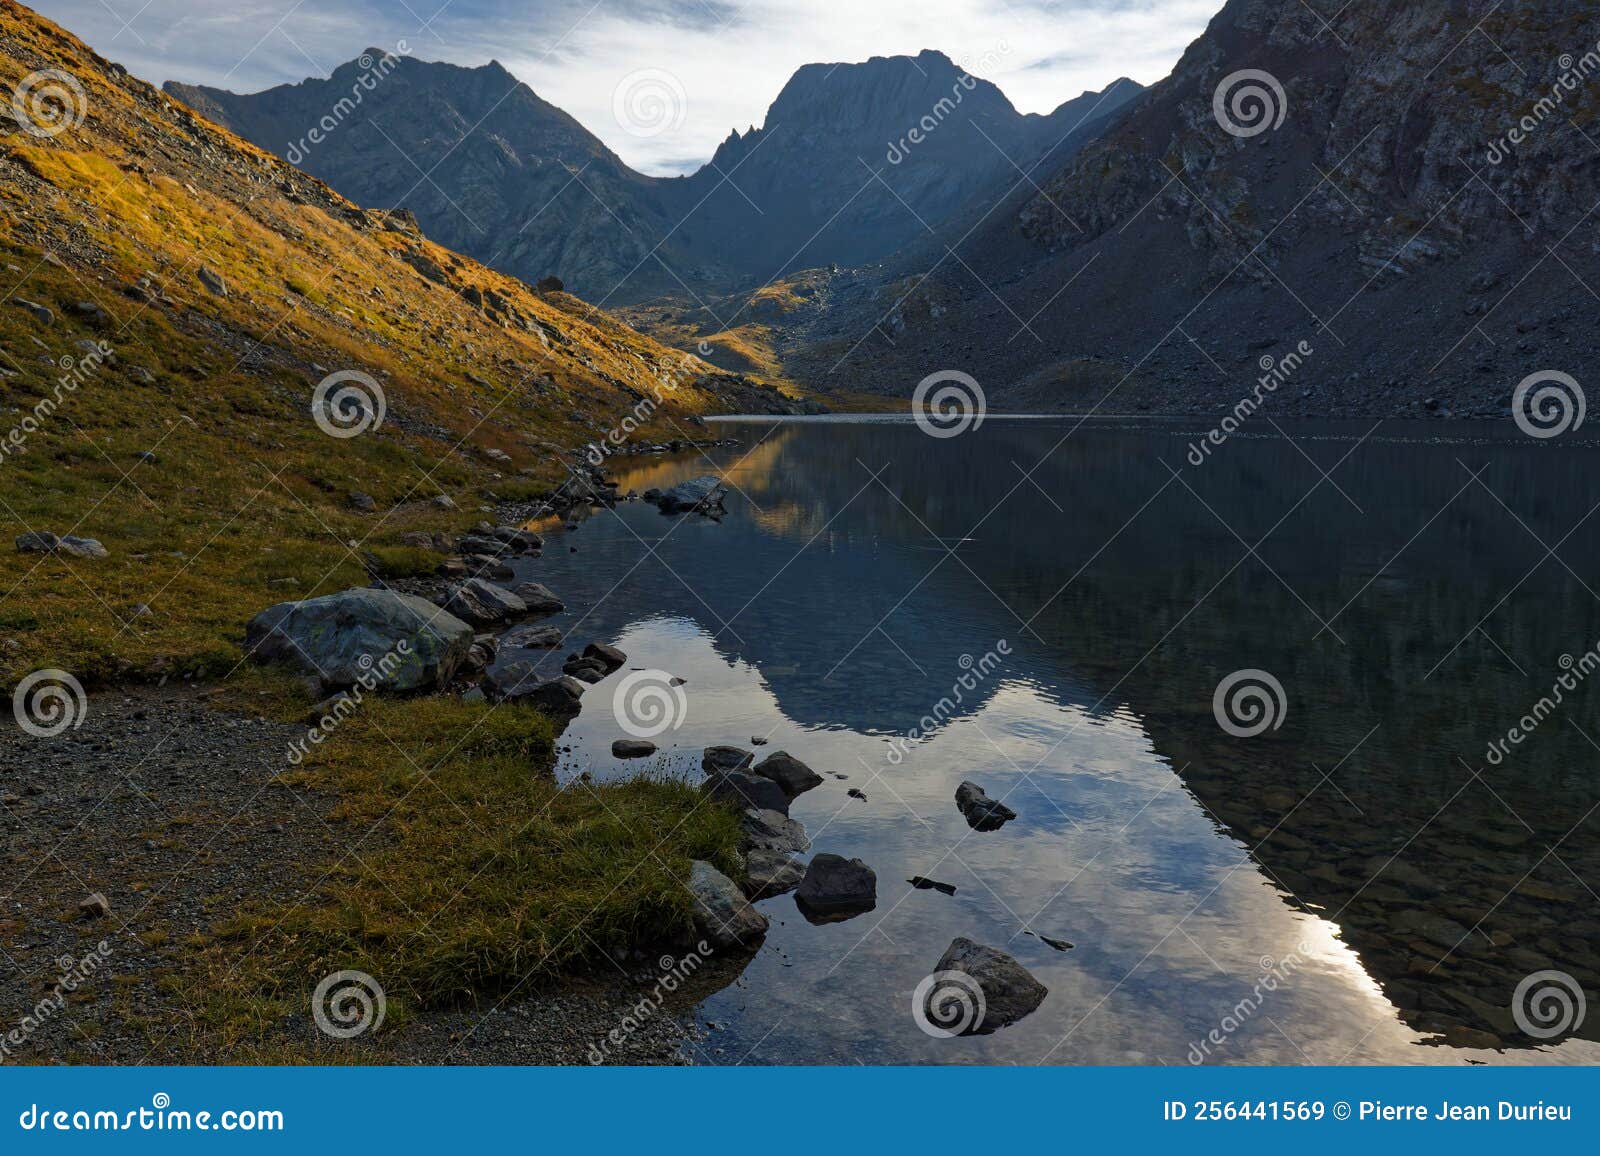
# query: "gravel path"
{"points": [[170, 807]]}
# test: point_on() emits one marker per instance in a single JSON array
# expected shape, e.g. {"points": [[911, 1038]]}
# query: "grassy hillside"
{"points": [[225, 285]]}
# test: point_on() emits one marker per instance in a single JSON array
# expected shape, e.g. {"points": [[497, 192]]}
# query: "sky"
{"points": [[660, 81]]}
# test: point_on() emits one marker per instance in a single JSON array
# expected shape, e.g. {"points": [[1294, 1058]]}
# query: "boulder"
{"points": [[346, 638], [40, 542], [533, 637], [482, 603], [772, 831], [44, 542], [725, 759], [699, 495], [834, 884], [721, 912], [742, 790], [633, 748], [770, 873], [981, 812], [1009, 991], [788, 772], [81, 547], [560, 698], [607, 656], [538, 599]]}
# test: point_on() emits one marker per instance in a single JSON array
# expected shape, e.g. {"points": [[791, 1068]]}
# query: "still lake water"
{"points": [[1360, 885]]}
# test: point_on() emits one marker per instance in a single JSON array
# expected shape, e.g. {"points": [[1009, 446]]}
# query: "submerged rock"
{"points": [[633, 748], [721, 912], [347, 638], [981, 812], [1009, 990]]}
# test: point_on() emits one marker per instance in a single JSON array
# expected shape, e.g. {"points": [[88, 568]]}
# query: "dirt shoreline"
{"points": [[173, 807]]}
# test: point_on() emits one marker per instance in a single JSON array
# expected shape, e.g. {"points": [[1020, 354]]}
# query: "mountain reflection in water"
{"points": [[1413, 589]]}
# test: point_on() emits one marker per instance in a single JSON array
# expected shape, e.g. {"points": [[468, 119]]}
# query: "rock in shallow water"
{"points": [[483, 603], [721, 912], [835, 885], [725, 759], [788, 772], [1009, 991], [742, 790], [772, 831], [772, 873], [633, 748], [981, 812], [698, 495]]}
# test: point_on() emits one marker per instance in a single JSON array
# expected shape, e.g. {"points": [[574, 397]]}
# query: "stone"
{"points": [[834, 884], [788, 772], [770, 873], [721, 912], [354, 636], [533, 637], [213, 281], [40, 542], [924, 884], [742, 790], [607, 656], [362, 502], [41, 313], [96, 906], [560, 698], [538, 599], [698, 495], [632, 748], [81, 548], [444, 502], [1009, 991], [483, 603], [725, 759], [772, 831], [982, 813]]}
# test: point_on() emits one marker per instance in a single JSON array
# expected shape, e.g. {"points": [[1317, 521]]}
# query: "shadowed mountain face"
{"points": [[853, 162], [1340, 173]]}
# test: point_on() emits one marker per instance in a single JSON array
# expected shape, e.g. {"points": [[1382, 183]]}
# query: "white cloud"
{"points": [[729, 58]]}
